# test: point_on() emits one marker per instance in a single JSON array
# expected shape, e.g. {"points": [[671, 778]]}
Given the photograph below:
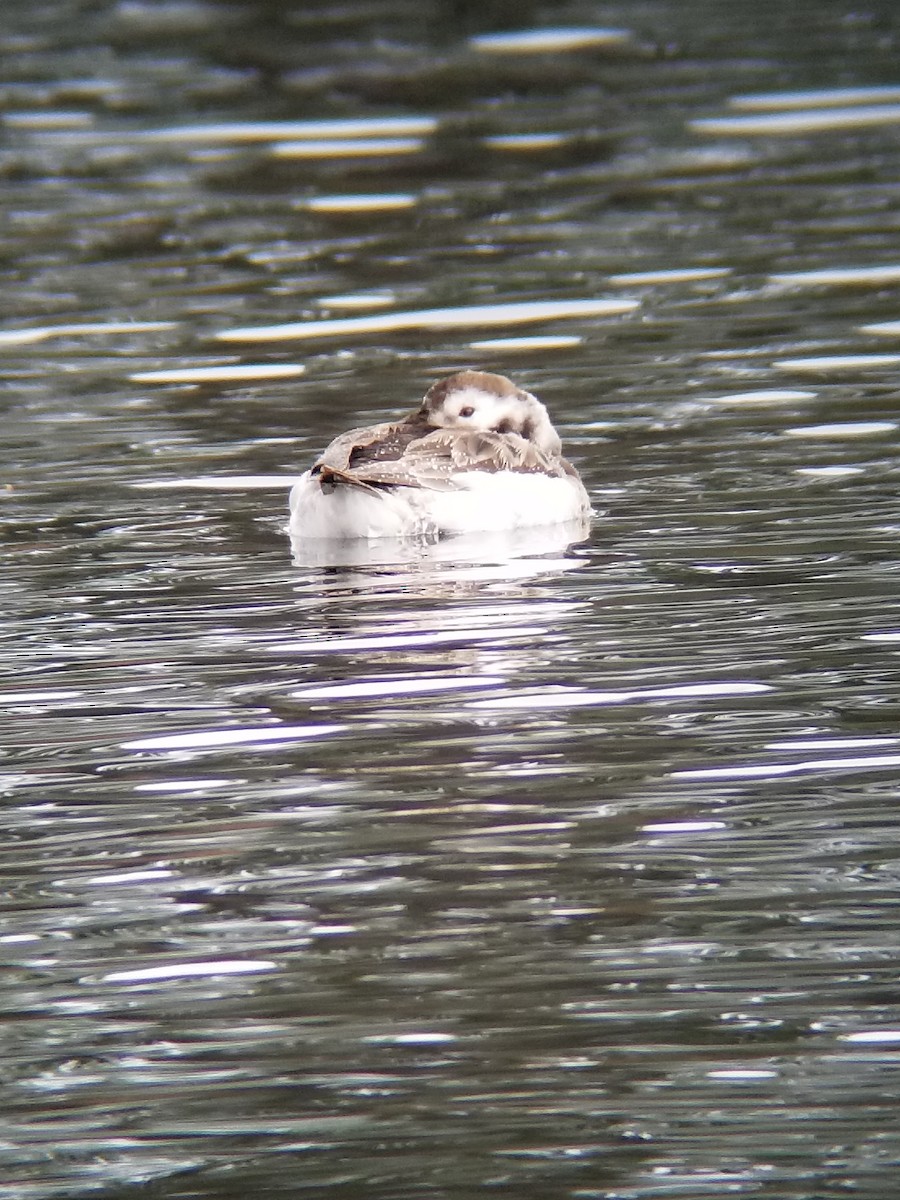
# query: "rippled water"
{"points": [[528, 868]]}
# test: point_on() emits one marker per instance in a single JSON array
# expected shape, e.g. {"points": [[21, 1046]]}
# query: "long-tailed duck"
{"points": [[479, 454]]}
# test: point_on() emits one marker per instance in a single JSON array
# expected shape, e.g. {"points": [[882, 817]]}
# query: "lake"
{"points": [[546, 866]]}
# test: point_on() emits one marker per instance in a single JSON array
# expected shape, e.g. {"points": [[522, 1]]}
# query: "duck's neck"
{"points": [[539, 429]]}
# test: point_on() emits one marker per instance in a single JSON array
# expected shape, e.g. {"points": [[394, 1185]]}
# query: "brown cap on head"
{"points": [[499, 385]]}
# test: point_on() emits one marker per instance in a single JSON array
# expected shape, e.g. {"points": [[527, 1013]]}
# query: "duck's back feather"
{"points": [[402, 455]]}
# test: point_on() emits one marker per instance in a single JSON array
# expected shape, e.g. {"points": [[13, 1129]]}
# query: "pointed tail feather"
{"points": [[331, 477]]}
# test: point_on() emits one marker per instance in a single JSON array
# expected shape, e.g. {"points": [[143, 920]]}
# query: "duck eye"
{"points": [[468, 411]]}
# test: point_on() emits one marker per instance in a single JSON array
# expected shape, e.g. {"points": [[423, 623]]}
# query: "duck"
{"points": [[478, 455]]}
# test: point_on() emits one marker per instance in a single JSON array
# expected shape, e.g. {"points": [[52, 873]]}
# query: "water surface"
{"points": [[567, 868]]}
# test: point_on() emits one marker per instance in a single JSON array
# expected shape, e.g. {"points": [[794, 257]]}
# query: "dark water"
{"points": [[540, 871]]}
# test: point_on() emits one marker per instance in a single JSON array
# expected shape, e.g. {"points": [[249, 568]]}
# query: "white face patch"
{"points": [[473, 408], [462, 402]]}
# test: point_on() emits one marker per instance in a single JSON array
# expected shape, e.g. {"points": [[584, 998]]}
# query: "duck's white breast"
{"points": [[479, 501]]}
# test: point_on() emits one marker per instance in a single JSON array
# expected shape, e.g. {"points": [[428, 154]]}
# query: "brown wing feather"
{"points": [[411, 454], [391, 442], [345, 459], [355, 443]]}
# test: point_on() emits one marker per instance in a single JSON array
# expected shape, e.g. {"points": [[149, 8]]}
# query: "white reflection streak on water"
{"points": [[841, 430], [527, 141], [462, 317], [456, 622], [354, 689], [882, 329], [684, 826], [357, 300], [190, 970], [26, 337], [359, 202], [225, 373], [822, 98], [410, 1039], [348, 148], [177, 786], [837, 362], [789, 123], [350, 129], [571, 698], [552, 40], [761, 770], [761, 397], [742, 1074], [669, 276], [394, 641], [49, 119], [563, 341], [829, 472], [124, 877], [833, 743], [871, 276], [224, 483], [212, 738]]}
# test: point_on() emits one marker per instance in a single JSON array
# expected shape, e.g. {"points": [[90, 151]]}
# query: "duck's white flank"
{"points": [[479, 455]]}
